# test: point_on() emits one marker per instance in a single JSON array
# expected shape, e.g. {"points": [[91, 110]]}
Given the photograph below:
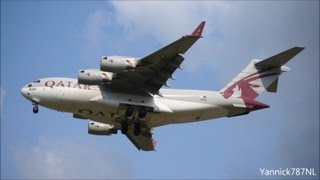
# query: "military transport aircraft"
{"points": [[126, 93]]}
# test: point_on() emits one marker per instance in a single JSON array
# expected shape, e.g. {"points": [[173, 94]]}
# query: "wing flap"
{"points": [[142, 142]]}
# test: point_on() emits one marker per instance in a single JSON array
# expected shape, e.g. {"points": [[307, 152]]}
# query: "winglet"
{"points": [[198, 31]]}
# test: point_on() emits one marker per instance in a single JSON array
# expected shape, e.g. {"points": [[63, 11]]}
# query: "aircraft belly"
{"points": [[66, 99], [185, 111], [99, 106]]}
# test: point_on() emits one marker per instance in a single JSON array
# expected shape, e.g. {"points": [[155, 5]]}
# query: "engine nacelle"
{"points": [[117, 63], [94, 77], [100, 128]]}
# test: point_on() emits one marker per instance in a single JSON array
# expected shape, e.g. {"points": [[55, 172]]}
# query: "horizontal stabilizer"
{"points": [[273, 87], [279, 59]]}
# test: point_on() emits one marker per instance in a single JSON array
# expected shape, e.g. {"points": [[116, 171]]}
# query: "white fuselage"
{"points": [[102, 105]]}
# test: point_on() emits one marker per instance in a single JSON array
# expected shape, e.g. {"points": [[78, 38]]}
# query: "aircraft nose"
{"points": [[25, 93]]}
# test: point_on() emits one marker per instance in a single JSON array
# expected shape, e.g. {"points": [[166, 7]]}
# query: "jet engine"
{"points": [[94, 77], [117, 63], [100, 128]]}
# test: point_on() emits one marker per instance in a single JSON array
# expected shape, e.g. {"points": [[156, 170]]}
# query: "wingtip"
{"points": [[300, 48], [198, 31]]}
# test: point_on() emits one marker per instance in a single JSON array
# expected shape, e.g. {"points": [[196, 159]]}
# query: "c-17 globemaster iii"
{"points": [[126, 93]]}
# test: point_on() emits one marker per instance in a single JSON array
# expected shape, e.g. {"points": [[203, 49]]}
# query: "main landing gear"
{"points": [[142, 113], [129, 112], [137, 129], [35, 108], [124, 127], [124, 124], [137, 125]]}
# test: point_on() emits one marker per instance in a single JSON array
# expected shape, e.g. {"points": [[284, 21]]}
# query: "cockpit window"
{"points": [[36, 81], [29, 85], [82, 71]]}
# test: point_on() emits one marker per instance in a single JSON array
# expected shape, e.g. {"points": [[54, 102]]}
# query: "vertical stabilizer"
{"points": [[259, 76]]}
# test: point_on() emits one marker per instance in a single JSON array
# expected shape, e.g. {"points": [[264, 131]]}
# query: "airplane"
{"points": [[126, 93]]}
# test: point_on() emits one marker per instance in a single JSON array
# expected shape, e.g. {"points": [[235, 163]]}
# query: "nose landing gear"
{"points": [[35, 108]]}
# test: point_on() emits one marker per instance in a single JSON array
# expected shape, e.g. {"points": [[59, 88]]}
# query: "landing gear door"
{"points": [[161, 107], [136, 102]]}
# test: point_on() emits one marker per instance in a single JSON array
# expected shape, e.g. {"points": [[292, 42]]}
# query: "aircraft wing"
{"points": [[142, 142], [153, 71]]}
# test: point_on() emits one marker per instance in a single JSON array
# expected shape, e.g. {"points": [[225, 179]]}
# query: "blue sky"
{"points": [[46, 39]]}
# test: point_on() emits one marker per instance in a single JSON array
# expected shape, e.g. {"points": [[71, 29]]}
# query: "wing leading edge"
{"points": [[153, 71]]}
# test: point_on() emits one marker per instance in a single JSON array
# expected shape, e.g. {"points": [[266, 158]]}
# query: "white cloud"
{"points": [[70, 159], [95, 36], [236, 32], [96, 27], [164, 20]]}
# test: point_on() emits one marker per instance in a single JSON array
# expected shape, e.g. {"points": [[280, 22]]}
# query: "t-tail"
{"points": [[259, 76]]}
